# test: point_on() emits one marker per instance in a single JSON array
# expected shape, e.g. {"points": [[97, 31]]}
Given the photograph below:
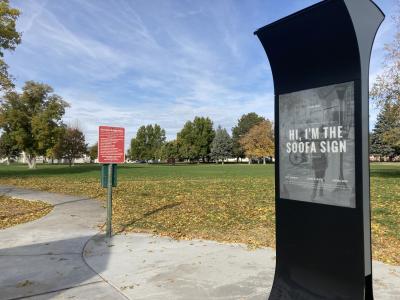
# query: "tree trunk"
{"points": [[222, 161], [264, 162], [70, 162], [249, 161], [8, 161], [31, 161]]}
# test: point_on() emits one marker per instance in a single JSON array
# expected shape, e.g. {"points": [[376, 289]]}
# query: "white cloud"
{"points": [[127, 63]]}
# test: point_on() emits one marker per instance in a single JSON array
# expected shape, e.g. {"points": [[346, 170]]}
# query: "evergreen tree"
{"points": [[386, 93], [387, 122], [221, 147]]}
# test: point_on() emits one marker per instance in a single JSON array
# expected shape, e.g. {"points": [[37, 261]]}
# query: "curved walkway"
{"points": [[43, 259], [47, 259]]}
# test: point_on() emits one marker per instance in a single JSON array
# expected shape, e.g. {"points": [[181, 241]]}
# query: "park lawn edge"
{"points": [[155, 199], [15, 211]]}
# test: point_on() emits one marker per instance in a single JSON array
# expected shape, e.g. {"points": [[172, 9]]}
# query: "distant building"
{"points": [[379, 158], [85, 159]]}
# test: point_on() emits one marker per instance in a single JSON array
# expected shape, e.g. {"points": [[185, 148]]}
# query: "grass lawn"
{"points": [[232, 203]]}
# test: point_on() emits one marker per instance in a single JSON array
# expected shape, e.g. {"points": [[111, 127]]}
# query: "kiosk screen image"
{"points": [[316, 145]]}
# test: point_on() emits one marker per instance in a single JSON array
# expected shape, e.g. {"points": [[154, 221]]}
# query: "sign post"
{"points": [[319, 59], [109, 201], [111, 152]]}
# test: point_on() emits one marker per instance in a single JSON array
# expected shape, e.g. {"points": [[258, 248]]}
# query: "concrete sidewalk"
{"points": [[149, 267], [61, 257], [43, 258], [156, 268]]}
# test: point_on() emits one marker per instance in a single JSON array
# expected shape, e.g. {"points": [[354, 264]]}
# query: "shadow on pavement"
{"points": [[41, 268]]}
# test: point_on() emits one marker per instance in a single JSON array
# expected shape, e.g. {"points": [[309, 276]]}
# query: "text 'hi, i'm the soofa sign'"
{"points": [[111, 145]]}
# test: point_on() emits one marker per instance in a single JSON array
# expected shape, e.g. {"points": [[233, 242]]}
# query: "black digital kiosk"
{"points": [[319, 58]]}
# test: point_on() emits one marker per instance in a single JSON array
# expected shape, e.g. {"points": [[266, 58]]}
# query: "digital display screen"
{"points": [[316, 145]]}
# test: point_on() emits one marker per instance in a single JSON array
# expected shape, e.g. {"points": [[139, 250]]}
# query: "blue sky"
{"points": [[129, 63]]}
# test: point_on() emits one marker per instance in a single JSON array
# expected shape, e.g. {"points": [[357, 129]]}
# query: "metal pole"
{"points": [[109, 200]]}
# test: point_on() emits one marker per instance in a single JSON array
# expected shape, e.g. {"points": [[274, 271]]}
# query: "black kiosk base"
{"points": [[320, 64]]}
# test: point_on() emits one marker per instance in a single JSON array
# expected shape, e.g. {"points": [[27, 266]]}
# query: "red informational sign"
{"points": [[111, 145]]}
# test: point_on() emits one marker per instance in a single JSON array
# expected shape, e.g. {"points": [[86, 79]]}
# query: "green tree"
{"points": [[8, 149], [221, 147], [245, 123], [9, 39], [147, 143], [195, 139], [53, 151], [136, 151], [93, 152], [186, 140], [170, 151], [204, 133], [71, 145], [32, 118], [381, 141]]}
